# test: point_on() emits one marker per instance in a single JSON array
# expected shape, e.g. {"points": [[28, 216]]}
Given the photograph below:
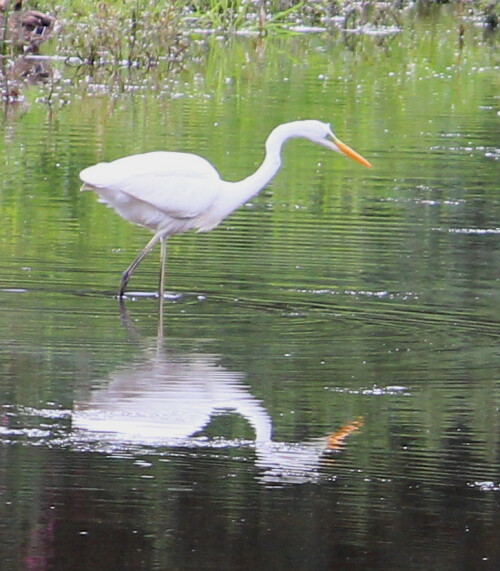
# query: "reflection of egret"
{"points": [[167, 399], [170, 193], [163, 400]]}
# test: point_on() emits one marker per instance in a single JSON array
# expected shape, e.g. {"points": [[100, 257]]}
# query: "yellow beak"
{"points": [[351, 153]]}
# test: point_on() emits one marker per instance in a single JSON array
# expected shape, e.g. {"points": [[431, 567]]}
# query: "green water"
{"points": [[341, 301]]}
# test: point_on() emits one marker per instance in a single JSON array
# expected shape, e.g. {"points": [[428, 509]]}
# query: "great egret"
{"points": [[170, 193]]}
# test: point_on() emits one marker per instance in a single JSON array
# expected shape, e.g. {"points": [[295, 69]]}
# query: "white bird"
{"points": [[170, 192]]}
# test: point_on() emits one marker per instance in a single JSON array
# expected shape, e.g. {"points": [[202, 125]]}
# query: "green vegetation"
{"points": [[134, 33], [145, 32]]}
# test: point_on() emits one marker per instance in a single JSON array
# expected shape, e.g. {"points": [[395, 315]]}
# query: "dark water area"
{"points": [[321, 389]]}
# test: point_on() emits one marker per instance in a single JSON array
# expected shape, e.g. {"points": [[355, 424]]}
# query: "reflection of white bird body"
{"points": [[162, 401], [170, 193], [166, 401]]}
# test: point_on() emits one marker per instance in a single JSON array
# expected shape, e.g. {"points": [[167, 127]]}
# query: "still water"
{"points": [[322, 388]]}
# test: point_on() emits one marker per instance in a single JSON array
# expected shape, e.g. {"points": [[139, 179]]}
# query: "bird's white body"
{"points": [[171, 192], [168, 191]]}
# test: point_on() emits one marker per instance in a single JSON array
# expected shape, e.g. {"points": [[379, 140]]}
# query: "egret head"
{"points": [[322, 134]]}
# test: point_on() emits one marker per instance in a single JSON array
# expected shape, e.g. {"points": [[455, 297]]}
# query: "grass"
{"points": [[138, 33], [143, 34]]}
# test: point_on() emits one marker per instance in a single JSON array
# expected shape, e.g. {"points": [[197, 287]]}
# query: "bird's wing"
{"points": [[180, 184]]}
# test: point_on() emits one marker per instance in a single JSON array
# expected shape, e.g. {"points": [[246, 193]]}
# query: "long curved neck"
{"points": [[241, 191]]}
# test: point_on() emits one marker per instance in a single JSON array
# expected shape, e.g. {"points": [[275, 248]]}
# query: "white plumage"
{"points": [[170, 192], [157, 190]]}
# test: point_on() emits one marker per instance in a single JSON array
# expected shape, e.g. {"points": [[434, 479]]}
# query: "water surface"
{"points": [[322, 388]]}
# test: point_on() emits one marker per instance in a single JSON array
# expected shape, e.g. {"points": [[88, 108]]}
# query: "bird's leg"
{"points": [[129, 271], [161, 295], [163, 261]]}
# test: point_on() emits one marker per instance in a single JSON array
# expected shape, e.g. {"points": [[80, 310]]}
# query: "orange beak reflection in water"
{"points": [[335, 441]]}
